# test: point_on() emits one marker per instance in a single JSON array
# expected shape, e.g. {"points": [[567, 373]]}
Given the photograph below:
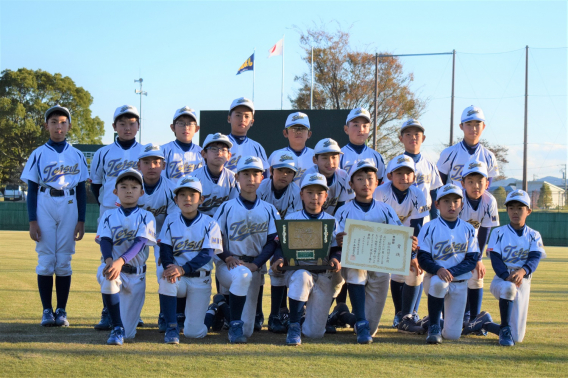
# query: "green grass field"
{"points": [[27, 349]]}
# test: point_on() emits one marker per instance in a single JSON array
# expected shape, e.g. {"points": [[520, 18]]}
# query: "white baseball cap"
{"points": [[472, 113], [188, 182], [448, 189], [520, 196], [315, 179], [151, 149], [284, 159], [358, 112], [298, 118], [475, 166], [399, 162], [360, 164], [125, 109], [411, 122], [186, 110], [58, 108], [327, 145], [130, 172], [217, 138], [249, 162], [242, 101]]}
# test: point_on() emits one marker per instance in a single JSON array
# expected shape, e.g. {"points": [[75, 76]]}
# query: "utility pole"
{"points": [[525, 184], [140, 92], [376, 95], [452, 102]]}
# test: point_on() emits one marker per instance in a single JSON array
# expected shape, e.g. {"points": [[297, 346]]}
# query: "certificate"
{"points": [[377, 247]]}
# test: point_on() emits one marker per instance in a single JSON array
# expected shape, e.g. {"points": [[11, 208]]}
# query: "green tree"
{"points": [[500, 195], [545, 198], [25, 95]]}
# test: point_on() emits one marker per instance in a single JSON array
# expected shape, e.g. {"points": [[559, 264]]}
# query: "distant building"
{"points": [[558, 194]]}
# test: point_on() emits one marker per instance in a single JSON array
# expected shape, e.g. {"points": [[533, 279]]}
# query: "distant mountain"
{"points": [[553, 180]]}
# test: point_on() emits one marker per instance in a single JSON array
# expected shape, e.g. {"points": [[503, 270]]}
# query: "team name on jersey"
{"points": [[240, 230], [232, 164], [456, 172], [120, 235], [185, 245], [474, 223], [155, 212], [423, 179], [53, 173], [300, 173], [116, 166], [213, 202], [179, 169], [445, 249], [330, 202], [514, 254], [402, 218]]}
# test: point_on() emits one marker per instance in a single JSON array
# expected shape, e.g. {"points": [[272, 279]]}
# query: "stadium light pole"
{"points": [[141, 93], [525, 183]]}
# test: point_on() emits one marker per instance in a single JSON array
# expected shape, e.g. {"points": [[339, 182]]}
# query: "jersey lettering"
{"points": [[514, 254], [185, 245], [179, 168], [240, 231], [212, 202], [232, 164], [53, 174], [116, 166], [120, 235], [456, 172], [446, 249]]}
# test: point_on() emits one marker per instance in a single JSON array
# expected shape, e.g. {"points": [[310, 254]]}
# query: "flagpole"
{"points": [[253, 72], [282, 92]]}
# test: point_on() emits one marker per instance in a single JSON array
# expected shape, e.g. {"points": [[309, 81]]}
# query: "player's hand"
{"points": [[108, 263], [517, 276], [339, 238], [480, 268], [79, 231], [173, 272], [445, 275], [414, 243], [114, 269], [335, 264], [159, 261], [232, 262], [276, 265], [415, 267], [252, 266], [35, 232]]}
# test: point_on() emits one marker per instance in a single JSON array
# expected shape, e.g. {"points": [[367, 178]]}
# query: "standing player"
{"points": [[123, 234], [448, 253], [297, 131], [108, 163], [452, 159], [182, 155], [241, 118], [57, 203], [249, 232]]}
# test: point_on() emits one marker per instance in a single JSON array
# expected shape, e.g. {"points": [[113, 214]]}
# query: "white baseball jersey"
{"points": [[214, 195], [289, 202], [379, 212], [514, 249], [350, 156], [413, 206], [486, 215], [248, 148], [305, 161], [124, 229], [245, 232], [187, 242], [447, 246], [179, 162], [107, 164], [339, 190], [160, 203], [453, 158]]}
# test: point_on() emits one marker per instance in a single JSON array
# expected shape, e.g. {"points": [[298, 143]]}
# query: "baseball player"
{"points": [[249, 232], [187, 243], [452, 159], [182, 155], [515, 251], [297, 131], [57, 203], [123, 234], [479, 210], [448, 252], [358, 127], [314, 290], [367, 290], [108, 163], [241, 118], [410, 205]]}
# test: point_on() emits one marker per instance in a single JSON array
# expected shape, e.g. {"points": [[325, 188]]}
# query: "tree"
{"points": [[545, 198], [25, 95], [500, 195], [344, 78]]}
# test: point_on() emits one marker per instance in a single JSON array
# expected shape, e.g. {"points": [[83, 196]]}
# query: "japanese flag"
{"points": [[276, 49]]}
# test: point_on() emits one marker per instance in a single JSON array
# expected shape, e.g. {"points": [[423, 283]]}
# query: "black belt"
{"points": [[460, 281], [247, 259], [57, 193], [197, 274], [129, 269]]}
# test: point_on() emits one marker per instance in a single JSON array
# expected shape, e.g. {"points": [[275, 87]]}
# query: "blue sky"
{"points": [[188, 54]]}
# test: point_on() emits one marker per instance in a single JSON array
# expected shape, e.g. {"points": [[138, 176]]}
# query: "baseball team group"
{"points": [[212, 209]]}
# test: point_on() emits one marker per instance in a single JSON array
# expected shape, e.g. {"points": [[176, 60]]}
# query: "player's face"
{"points": [[151, 168], [518, 214], [126, 128], [249, 180], [472, 131], [412, 138], [128, 192], [188, 200], [364, 184], [241, 120], [402, 178], [282, 177], [216, 154], [449, 206], [58, 126], [358, 130], [475, 185], [297, 135], [313, 197], [327, 163], [184, 128]]}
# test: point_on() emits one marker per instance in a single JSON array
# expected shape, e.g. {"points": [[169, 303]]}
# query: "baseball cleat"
{"points": [[424, 323], [180, 320], [105, 324], [330, 328], [172, 334], [276, 325], [236, 335], [407, 325], [476, 324], [505, 337], [219, 299], [162, 326], [116, 336], [415, 317], [140, 322], [47, 319], [294, 336], [258, 321], [363, 332], [397, 319], [61, 318], [434, 335]]}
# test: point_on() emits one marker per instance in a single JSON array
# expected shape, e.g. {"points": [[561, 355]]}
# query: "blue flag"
{"points": [[248, 65]]}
